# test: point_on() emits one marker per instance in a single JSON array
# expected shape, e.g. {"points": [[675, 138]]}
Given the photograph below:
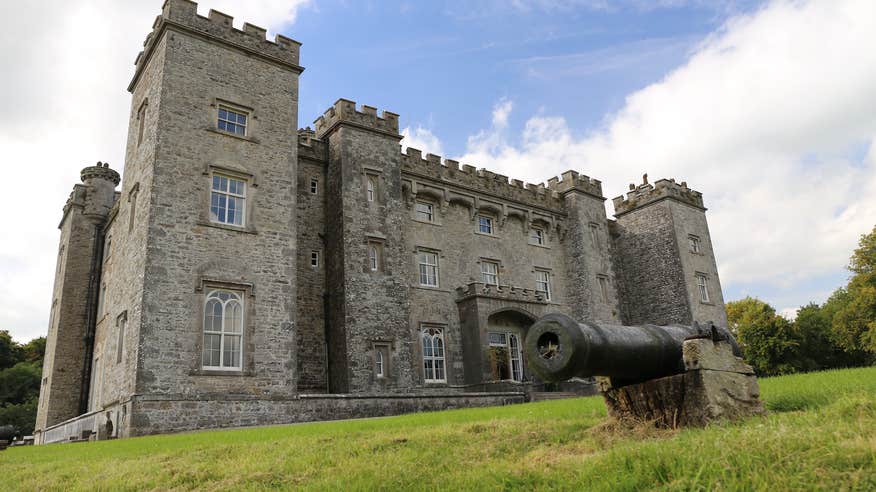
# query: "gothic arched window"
{"points": [[433, 355], [223, 330]]}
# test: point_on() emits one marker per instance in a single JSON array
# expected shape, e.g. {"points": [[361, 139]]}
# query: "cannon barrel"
{"points": [[558, 348]]}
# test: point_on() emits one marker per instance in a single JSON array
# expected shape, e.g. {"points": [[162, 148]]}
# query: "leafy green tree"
{"points": [[34, 351], [22, 417], [768, 341], [854, 323], [10, 352], [19, 383]]}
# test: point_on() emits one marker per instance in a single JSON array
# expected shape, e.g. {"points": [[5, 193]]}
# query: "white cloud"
{"points": [[421, 139], [789, 313], [66, 67], [768, 118]]}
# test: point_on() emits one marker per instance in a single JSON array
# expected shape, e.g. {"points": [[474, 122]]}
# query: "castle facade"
{"points": [[246, 272]]}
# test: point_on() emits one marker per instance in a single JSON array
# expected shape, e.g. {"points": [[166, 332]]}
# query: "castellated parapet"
{"points": [[344, 111], [183, 14], [644, 194]]}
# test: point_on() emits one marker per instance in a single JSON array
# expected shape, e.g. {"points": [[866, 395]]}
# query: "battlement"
{"points": [[646, 193], [571, 180], [344, 111], [479, 179], [503, 292], [100, 171], [184, 14], [311, 147]]}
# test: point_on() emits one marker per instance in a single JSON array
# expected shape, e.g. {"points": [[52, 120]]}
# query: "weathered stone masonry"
{"points": [[326, 257]]}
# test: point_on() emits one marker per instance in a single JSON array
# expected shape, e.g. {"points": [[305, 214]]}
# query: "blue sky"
{"points": [[766, 107]]}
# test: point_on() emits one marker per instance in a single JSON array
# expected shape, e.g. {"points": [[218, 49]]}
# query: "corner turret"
{"points": [[344, 111], [100, 182]]}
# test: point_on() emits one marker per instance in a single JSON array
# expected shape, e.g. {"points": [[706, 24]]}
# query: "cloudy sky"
{"points": [[768, 108]]}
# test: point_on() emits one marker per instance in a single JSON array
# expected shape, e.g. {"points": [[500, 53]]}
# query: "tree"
{"points": [[19, 383], [854, 322], [768, 341], [34, 351], [9, 350]]}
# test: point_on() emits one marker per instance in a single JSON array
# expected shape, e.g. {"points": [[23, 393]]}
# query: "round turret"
{"points": [[101, 182]]}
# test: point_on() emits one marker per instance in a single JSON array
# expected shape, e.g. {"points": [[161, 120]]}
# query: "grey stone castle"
{"points": [[248, 273]]}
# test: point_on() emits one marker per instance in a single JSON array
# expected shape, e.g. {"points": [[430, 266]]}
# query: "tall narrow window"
{"points": [[314, 186], [543, 283], [703, 285], [433, 355], [428, 263], [485, 224], [141, 121], [223, 330], [694, 243], [516, 358], [101, 301], [227, 200], [536, 236], [603, 287], [232, 121], [375, 256], [425, 212], [378, 364], [121, 324], [314, 259], [594, 234], [490, 272], [132, 204], [370, 188]]}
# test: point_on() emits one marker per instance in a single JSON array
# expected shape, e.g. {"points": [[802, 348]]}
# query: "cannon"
{"points": [[559, 348], [672, 375]]}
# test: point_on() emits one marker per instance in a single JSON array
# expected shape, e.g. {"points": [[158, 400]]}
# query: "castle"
{"points": [[249, 273]]}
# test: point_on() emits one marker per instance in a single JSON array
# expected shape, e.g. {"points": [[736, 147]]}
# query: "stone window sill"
{"points": [[234, 135], [229, 373], [487, 235], [540, 245], [217, 225], [429, 288], [432, 222]]}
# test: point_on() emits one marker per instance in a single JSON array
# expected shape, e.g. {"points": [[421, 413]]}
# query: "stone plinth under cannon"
{"points": [[670, 375]]}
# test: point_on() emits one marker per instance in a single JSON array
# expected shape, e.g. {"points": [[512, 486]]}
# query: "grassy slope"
{"points": [[821, 433]]}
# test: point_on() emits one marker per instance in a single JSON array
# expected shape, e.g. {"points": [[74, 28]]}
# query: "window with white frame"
{"points": [[490, 272], [433, 355], [375, 256], [232, 120], [603, 287], [506, 355], [428, 263], [536, 236], [694, 242], [425, 211], [543, 283], [227, 200], [314, 186], [378, 364], [314, 259], [223, 330], [485, 224], [381, 360], [703, 286], [371, 188]]}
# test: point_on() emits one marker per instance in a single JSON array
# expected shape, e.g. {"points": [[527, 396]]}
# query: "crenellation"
{"points": [[572, 180], [344, 111], [646, 193]]}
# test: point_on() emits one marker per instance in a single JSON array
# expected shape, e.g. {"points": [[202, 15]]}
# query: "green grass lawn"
{"points": [[820, 434]]}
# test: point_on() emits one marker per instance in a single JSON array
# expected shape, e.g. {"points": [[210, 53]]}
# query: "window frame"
{"points": [[484, 274], [424, 216], [694, 244], [121, 326], [375, 256], [228, 194], [222, 333], [490, 225], [370, 188], [237, 111], [435, 268], [537, 236], [703, 286], [594, 234], [314, 186], [141, 120], [547, 282], [437, 340], [602, 280], [382, 355], [314, 258]]}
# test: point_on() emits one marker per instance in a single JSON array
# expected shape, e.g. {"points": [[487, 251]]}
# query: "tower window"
{"points": [[141, 121], [536, 236], [314, 259], [703, 286], [603, 287], [375, 256], [543, 283], [694, 242], [428, 263], [371, 188], [485, 224], [314, 186], [490, 272], [594, 234], [232, 121], [223, 330], [227, 200]]}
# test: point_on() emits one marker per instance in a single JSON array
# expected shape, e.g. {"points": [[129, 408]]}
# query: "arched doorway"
{"points": [[506, 329]]}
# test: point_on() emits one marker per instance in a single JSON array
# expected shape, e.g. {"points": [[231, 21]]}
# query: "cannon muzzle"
{"points": [[558, 348]]}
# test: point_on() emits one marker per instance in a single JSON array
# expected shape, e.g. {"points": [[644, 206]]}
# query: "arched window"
{"points": [[223, 330], [370, 188], [378, 363], [373, 258], [433, 355]]}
